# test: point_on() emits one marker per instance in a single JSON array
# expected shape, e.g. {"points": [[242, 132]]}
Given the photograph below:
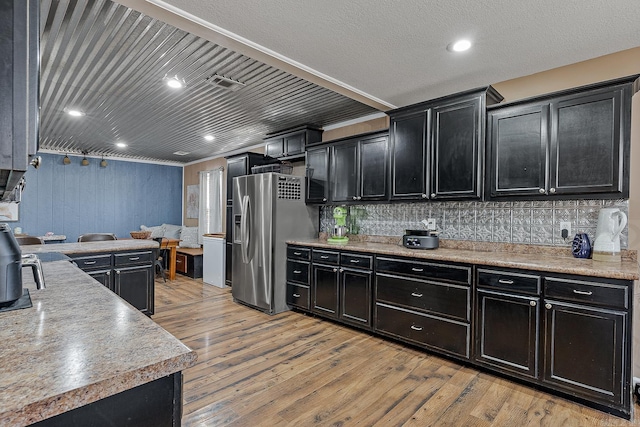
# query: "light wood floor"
{"points": [[296, 370]]}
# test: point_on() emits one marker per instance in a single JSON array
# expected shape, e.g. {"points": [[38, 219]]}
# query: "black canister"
{"points": [[10, 267]]}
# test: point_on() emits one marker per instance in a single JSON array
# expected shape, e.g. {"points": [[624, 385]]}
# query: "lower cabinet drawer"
{"points": [[298, 296], [298, 271], [93, 262], [441, 334], [132, 258], [437, 298]]}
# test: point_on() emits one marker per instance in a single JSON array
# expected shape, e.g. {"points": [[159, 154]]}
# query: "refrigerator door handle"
{"points": [[244, 241]]}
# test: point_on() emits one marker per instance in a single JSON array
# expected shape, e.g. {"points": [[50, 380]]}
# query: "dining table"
{"points": [[171, 245]]}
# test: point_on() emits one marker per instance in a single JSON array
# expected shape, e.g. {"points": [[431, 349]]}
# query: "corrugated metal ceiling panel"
{"points": [[109, 61]]}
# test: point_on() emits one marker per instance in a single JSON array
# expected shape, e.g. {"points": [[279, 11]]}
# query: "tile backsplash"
{"points": [[528, 222]]}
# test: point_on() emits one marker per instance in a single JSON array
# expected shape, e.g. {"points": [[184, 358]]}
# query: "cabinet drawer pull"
{"points": [[417, 295], [324, 256], [296, 295], [575, 291], [419, 270], [505, 282], [355, 261], [89, 262], [297, 271], [416, 328], [297, 253], [134, 258]]}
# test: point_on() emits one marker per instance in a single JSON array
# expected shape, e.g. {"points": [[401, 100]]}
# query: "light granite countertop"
{"points": [[526, 257], [92, 247], [78, 343]]}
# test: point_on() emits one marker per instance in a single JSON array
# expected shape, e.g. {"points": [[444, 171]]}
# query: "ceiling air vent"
{"points": [[224, 82]]}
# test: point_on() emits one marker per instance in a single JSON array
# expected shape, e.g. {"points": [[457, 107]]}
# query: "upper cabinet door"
{"points": [[294, 144], [317, 175], [586, 144], [235, 167], [409, 155], [274, 147], [517, 151], [344, 172], [374, 159], [456, 145]]}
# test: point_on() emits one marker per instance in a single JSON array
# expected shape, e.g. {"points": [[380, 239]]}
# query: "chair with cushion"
{"points": [[161, 256], [96, 237], [29, 240]]}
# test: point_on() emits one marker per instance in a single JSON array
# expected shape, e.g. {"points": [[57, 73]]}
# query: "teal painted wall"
{"points": [[74, 199]]}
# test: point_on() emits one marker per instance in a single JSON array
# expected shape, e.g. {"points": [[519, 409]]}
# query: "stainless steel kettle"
{"points": [[11, 263]]}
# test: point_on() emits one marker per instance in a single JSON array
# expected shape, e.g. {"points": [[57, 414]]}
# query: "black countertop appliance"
{"points": [[10, 267]]}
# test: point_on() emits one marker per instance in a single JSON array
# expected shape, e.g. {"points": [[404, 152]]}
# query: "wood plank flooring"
{"points": [[296, 370]]}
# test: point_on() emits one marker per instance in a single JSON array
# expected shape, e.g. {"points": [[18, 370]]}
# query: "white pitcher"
{"points": [[611, 222]]}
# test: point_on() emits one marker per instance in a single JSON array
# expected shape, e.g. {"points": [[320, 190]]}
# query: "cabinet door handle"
{"points": [[134, 258], [359, 197], [108, 273], [324, 199], [416, 328], [552, 190], [532, 303], [433, 195], [415, 294], [297, 271], [324, 256], [342, 270], [505, 282], [296, 295], [418, 270], [541, 191], [547, 306], [424, 196], [355, 198], [297, 253], [355, 261], [335, 270], [89, 262], [117, 271], [575, 291]]}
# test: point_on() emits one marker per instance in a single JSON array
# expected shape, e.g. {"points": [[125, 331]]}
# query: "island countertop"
{"points": [[79, 343], [526, 257], [92, 247]]}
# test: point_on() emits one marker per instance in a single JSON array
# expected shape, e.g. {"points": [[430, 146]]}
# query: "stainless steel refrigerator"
{"points": [[268, 210]]}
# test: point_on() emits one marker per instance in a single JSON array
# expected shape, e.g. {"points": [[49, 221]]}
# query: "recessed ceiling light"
{"points": [[121, 144], [459, 46], [174, 82], [74, 112], [181, 153], [209, 137]]}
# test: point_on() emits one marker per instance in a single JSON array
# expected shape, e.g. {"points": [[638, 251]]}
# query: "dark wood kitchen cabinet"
{"points": [[317, 163], [423, 303], [587, 339], [568, 144], [508, 321], [291, 142], [19, 91], [331, 283], [358, 169], [437, 147], [240, 165], [129, 274]]}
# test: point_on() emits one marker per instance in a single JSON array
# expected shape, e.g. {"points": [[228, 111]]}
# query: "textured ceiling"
{"points": [[394, 51], [109, 61]]}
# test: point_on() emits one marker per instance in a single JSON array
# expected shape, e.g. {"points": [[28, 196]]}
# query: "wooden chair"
{"points": [[161, 256], [96, 237], [29, 240]]}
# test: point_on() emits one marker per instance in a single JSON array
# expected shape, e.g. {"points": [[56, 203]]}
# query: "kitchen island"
{"points": [[83, 355]]}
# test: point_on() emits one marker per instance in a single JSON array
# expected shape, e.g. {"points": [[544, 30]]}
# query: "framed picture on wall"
{"points": [[9, 211], [193, 194]]}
